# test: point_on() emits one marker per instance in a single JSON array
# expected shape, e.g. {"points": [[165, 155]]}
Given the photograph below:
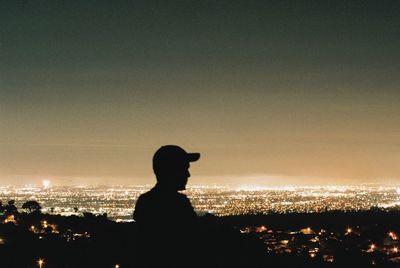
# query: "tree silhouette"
{"points": [[2, 208], [32, 206], [10, 208]]}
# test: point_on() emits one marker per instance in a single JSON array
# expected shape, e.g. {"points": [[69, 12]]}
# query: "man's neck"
{"points": [[164, 187]]}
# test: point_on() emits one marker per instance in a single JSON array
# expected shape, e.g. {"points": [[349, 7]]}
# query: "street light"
{"points": [[40, 262]]}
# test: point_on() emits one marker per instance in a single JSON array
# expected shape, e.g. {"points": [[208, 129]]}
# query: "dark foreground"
{"points": [[330, 239]]}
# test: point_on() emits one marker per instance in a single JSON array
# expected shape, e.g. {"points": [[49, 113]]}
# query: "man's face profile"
{"points": [[179, 176], [171, 165]]}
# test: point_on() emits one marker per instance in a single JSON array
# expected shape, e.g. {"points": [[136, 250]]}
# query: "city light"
{"points": [[46, 184], [119, 201], [40, 263], [313, 238], [393, 235], [261, 229], [11, 219], [307, 231]]}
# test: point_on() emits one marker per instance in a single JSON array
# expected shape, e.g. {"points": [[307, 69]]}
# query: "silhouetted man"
{"points": [[163, 215], [163, 203], [169, 232]]}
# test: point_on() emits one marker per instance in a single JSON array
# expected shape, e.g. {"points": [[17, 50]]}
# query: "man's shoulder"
{"points": [[154, 195], [144, 204], [144, 197]]}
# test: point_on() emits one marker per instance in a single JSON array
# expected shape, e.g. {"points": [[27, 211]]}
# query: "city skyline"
{"points": [[118, 201], [270, 93]]}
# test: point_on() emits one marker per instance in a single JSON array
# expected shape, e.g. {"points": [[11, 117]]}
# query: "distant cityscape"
{"points": [[315, 226], [118, 201]]}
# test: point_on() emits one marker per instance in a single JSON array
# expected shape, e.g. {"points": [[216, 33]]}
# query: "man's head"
{"points": [[171, 164]]}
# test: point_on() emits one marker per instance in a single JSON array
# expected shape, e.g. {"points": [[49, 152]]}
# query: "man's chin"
{"points": [[182, 188]]}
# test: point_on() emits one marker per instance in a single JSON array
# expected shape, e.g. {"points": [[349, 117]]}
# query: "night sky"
{"points": [[269, 92]]}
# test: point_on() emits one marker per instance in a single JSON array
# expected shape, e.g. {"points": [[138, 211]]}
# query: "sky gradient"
{"points": [[269, 92]]}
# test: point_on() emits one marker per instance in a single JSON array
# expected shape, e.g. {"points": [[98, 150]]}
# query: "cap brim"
{"points": [[192, 157]]}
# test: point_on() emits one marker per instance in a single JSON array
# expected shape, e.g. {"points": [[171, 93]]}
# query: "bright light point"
{"points": [[40, 262], [372, 247], [46, 184], [261, 229], [393, 235], [395, 249], [116, 266]]}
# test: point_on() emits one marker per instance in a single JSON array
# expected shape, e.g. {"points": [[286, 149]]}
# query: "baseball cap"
{"points": [[169, 156]]}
